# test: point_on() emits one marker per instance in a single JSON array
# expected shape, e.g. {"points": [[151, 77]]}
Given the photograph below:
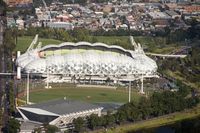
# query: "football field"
{"points": [[87, 94]]}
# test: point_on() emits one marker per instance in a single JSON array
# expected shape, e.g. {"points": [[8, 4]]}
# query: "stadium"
{"points": [[80, 62], [84, 60]]}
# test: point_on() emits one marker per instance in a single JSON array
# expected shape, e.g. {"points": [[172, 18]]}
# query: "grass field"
{"points": [[83, 94], [24, 42], [156, 122], [111, 39]]}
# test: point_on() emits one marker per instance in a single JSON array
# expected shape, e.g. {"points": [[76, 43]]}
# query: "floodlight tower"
{"points": [[139, 50]]}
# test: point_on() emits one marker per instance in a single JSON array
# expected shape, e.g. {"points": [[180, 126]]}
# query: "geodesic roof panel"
{"points": [[84, 58]]}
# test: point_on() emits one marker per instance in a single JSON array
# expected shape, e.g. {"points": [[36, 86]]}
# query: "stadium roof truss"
{"points": [[97, 60]]}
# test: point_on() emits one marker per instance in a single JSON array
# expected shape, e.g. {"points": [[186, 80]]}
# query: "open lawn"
{"points": [[154, 44], [111, 39], [83, 93], [24, 42]]}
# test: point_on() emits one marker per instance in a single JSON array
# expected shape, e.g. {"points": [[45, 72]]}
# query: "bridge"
{"points": [[166, 55]]}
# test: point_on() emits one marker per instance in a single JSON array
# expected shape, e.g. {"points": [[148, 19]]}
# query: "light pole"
{"points": [[129, 92], [47, 69], [47, 86], [142, 86], [27, 89]]}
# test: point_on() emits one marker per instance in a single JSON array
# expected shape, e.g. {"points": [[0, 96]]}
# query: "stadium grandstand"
{"points": [[84, 60], [59, 112]]}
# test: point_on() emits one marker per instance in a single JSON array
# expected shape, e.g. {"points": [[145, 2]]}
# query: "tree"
{"points": [[11, 97], [32, 31], [93, 121], [78, 124], [191, 102], [9, 41], [156, 104], [109, 119], [81, 35], [183, 89], [145, 107], [193, 31], [47, 129], [63, 35], [13, 126], [132, 111], [51, 129], [120, 116]]}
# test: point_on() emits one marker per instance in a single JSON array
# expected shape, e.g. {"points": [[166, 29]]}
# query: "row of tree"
{"points": [[58, 34], [10, 125], [160, 103]]}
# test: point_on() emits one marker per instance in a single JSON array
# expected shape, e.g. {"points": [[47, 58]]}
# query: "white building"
{"points": [[83, 59], [20, 24], [159, 15], [60, 113], [64, 25]]}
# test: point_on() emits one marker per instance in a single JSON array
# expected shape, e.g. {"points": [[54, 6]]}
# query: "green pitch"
{"points": [[83, 94], [24, 42]]}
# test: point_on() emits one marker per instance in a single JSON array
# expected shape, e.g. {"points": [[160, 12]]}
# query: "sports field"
{"points": [[24, 42], [82, 93]]}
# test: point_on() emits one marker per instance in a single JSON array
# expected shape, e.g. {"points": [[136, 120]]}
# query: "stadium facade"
{"points": [[97, 61], [60, 112]]}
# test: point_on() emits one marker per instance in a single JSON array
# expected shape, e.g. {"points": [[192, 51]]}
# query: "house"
{"points": [[173, 14], [20, 23]]}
